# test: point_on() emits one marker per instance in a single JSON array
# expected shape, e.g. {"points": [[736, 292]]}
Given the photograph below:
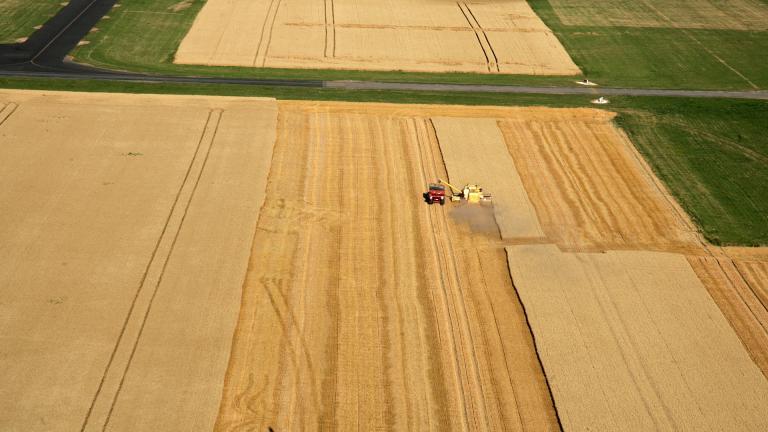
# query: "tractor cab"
{"points": [[435, 194]]}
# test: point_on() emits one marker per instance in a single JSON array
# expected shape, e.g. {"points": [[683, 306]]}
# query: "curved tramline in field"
{"points": [[433, 36]]}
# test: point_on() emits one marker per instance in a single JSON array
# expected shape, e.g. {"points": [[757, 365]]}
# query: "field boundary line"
{"points": [[498, 336], [650, 174], [153, 274], [733, 305], [7, 111], [533, 338], [250, 390]]}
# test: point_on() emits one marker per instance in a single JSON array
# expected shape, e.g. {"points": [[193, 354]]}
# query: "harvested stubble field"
{"points": [[360, 307], [434, 36], [631, 340], [363, 307], [738, 282], [392, 279], [592, 192], [590, 188]]}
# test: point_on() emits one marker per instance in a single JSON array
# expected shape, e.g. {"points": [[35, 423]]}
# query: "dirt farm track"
{"points": [[230, 264]]}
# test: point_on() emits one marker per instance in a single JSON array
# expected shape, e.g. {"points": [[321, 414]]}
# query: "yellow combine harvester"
{"points": [[471, 192]]}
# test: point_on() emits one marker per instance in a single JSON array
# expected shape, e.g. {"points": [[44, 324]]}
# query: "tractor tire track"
{"points": [[7, 111], [470, 377], [495, 62], [103, 402], [329, 15], [491, 62], [265, 39], [444, 295]]}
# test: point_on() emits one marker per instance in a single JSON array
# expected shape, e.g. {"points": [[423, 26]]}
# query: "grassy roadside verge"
{"points": [[18, 18], [711, 153]]}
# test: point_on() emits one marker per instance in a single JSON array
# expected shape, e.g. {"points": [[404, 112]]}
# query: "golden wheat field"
{"points": [[125, 226], [433, 36], [231, 264]]}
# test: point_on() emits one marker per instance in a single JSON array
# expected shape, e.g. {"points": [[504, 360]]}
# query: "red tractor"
{"points": [[435, 194]]}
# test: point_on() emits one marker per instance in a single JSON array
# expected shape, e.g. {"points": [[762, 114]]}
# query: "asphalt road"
{"points": [[46, 48], [595, 91], [44, 55]]}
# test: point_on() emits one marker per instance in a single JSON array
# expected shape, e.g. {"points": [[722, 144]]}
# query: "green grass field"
{"points": [[18, 17], [663, 57], [711, 153], [713, 156]]}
